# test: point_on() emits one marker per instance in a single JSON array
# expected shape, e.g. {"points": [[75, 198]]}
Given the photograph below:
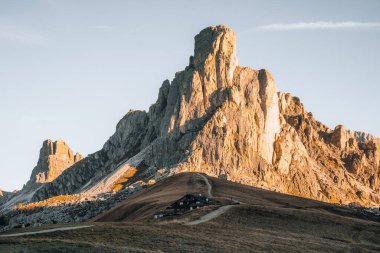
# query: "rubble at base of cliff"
{"points": [[79, 209], [84, 207], [367, 213]]}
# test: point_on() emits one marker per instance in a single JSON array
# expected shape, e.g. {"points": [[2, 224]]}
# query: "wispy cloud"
{"points": [[103, 27], [13, 34], [322, 25]]}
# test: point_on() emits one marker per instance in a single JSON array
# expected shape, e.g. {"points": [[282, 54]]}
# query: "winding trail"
{"points": [[210, 216], [209, 187], [46, 231], [214, 214]]}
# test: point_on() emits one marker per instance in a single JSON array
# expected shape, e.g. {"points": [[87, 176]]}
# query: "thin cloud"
{"points": [[21, 37], [318, 26], [103, 27]]}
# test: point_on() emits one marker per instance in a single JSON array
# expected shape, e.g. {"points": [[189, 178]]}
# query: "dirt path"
{"points": [[208, 185], [214, 214], [211, 215], [46, 231], [209, 190]]}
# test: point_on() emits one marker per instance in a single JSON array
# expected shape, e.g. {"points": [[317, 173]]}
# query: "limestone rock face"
{"points": [[54, 158], [227, 120], [339, 137], [215, 57]]}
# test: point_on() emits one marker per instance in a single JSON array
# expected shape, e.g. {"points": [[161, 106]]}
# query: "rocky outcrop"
{"points": [[54, 158], [339, 137], [226, 120], [2, 197], [6, 196]]}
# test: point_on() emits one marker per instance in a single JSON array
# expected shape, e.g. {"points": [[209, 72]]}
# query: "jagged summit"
{"points": [[54, 158], [230, 121], [215, 52]]}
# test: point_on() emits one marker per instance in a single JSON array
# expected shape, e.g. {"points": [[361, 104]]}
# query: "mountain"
{"points": [[54, 158], [229, 121], [221, 162], [5, 196]]}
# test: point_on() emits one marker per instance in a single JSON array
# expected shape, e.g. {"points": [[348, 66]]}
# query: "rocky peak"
{"points": [[215, 54], [214, 61], [226, 120], [54, 158]]}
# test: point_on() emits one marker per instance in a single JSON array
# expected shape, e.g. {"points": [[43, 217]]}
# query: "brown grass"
{"points": [[268, 222]]}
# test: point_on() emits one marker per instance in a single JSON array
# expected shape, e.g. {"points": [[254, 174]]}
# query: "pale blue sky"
{"points": [[72, 69]]}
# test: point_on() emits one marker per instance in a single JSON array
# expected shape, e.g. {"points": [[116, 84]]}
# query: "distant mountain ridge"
{"points": [[54, 158], [228, 121]]}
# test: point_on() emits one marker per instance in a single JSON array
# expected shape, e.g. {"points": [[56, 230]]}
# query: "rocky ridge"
{"points": [[229, 121], [5, 196], [54, 158]]}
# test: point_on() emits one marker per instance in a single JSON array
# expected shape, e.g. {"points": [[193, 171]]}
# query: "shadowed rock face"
{"points": [[55, 157], [223, 119], [5, 196]]}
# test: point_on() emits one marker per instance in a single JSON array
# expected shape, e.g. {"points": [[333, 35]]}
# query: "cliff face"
{"points": [[226, 120], [54, 158], [5, 196]]}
